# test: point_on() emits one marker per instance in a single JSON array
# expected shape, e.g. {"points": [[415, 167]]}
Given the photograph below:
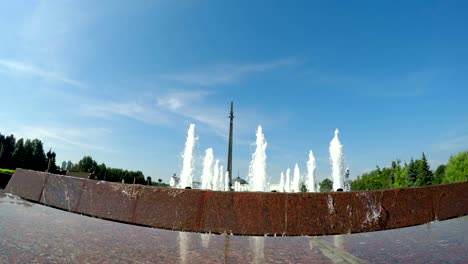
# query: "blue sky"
{"points": [[122, 81]]}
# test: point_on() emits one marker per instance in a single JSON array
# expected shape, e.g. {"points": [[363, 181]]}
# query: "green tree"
{"points": [[457, 168], [101, 170], [69, 166], [39, 160], [7, 146], [86, 164], [439, 174], [19, 155], [303, 188], [374, 180], [412, 173], [326, 185], [28, 154], [51, 166], [424, 176], [400, 174]]}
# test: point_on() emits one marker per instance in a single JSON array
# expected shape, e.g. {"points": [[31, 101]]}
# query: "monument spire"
{"points": [[229, 163]]}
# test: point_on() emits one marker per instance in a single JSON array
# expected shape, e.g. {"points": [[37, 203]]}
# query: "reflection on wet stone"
{"points": [[184, 241]]}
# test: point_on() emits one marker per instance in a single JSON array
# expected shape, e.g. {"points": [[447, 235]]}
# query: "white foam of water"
{"points": [[215, 179], [296, 179], [337, 161], [258, 178], [220, 185], [207, 173], [186, 176], [311, 165], [287, 183], [281, 183], [226, 181]]}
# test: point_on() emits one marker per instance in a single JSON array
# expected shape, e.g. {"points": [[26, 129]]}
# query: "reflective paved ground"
{"points": [[36, 233]]}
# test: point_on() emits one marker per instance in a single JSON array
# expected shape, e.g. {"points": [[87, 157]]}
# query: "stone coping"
{"points": [[244, 213]]}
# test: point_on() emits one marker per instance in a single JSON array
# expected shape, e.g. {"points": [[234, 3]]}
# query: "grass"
{"points": [[7, 171]]}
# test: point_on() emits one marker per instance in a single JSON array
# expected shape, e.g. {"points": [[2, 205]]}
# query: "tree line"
{"points": [[29, 154], [413, 174], [102, 172]]}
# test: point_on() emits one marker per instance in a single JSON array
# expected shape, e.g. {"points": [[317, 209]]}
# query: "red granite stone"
{"points": [[308, 213], [260, 213], [27, 184], [218, 214], [451, 200], [62, 191], [408, 206], [245, 213], [109, 200], [170, 208]]}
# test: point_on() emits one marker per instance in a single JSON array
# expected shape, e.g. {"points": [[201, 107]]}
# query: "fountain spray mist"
{"points": [[220, 185], [337, 161], [186, 176], [287, 183], [281, 183], [311, 165], [215, 179], [296, 179], [226, 181], [207, 173], [257, 169]]}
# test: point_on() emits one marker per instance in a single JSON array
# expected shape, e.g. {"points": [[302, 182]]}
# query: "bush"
{"points": [[7, 171]]}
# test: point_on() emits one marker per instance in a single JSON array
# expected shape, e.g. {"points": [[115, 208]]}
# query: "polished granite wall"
{"points": [[244, 213]]}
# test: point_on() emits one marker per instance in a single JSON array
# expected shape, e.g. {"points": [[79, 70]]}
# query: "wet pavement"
{"points": [[36, 233]]}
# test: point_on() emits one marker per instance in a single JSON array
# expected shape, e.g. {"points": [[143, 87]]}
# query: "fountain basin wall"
{"points": [[244, 213]]}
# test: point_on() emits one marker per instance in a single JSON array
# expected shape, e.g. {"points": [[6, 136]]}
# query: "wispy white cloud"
{"points": [[198, 107], [192, 105], [458, 143], [174, 101], [60, 136], [18, 67], [226, 73], [400, 84], [137, 111], [173, 106]]}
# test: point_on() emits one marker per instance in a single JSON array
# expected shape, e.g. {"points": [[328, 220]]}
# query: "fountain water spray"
{"points": [[257, 169], [311, 165], [207, 173], [287, 183], [237, 186], [296, 179], [220, 185], [226, 181], [186, 176], [337, 161], [215, 178], [281, 183]]}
